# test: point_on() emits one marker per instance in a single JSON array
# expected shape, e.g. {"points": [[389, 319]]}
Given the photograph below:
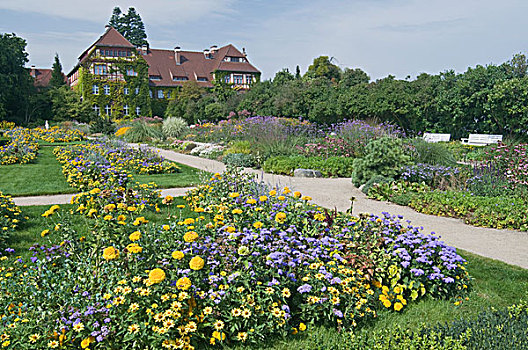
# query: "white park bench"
{"points": [[431, 137], [481, 139]]}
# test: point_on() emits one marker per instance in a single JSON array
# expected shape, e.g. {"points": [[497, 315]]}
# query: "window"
{"points": [[108, 110], [125, 110], [106, 89], [249, 79], [130, 72], [96, 109], [136, 91], [179, 78], [155, 77], [168, 94], [107, 53], [138, 110], [125, 91], [100, 69], [160, 93], [235, 59], [227, 79], [95, 90], [150, 93], [202, 79], [239, 79], [129, 53]]}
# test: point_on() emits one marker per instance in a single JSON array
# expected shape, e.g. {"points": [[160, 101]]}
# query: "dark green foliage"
{"points": [[16, 84], [57, 77], [67, 105], [329, 167], [239, 160], [384, 156], [431, 153], [130, 25], [378, 179], [322, 67], [102, 125]]}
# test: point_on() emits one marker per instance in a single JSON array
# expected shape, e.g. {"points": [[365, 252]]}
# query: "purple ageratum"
{"points": [[305, 288]]}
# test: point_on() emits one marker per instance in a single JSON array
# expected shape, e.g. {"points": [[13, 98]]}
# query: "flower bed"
{"points": [[252, 262], [22, 148], [56, 134], [10, 217]]}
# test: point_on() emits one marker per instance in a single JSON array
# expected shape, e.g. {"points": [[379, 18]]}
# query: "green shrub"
{"points": [[329, 167], [141, 131], [239, 160], [378, 179], [239, 147], [103, 126], [431, 153], [384, 156], [174, 127]]}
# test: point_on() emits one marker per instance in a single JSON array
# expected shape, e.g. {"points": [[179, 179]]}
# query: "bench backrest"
{"points": [[484, 139], [432, 137]]}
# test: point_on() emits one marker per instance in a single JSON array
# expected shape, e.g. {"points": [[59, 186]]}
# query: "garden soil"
{"points": [[505, 245]]}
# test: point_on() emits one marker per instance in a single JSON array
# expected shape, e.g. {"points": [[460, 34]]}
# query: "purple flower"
{"points": [[305, 288]]}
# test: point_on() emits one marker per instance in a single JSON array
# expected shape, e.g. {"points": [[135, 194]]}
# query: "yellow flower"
{"points": [[272, 193], [219, 336], [183, 283], [95, 191], [251, 201], [110, 253], [166, 227], [188, 221], [306, 198], [302, 327], [280, 217], [131, 208], [45, 233], [196, 263], [387, 303], [234, 195], [134, 248], [297, 194], [190, 236], [237, 211], [135, 236], [86, 342], [263, 198], [230, 229], [258, 224], [177, 255], [286, 190], [156, 276], [398, 306]]}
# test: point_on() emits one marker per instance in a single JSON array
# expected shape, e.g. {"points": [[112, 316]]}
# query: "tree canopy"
{"points": [[130, 25], [57, 77]]}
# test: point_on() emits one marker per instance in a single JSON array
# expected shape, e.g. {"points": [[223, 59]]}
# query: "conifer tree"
{"points": [[135, 29], [116, 20], [57, 78]]}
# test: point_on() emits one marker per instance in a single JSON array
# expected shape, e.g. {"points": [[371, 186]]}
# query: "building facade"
{"points": [[121, 80]]}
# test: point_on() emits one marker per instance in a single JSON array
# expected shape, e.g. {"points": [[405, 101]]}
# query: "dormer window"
{"points": [[234, 59], [201, 79], [180, 79], [155, 77]]}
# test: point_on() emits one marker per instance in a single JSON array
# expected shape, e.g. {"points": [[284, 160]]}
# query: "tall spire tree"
{"points": [[116, 20], [135, 29], [57, 78]]}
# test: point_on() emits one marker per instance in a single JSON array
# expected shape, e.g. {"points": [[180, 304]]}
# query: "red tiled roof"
{"points": [[194, 65], [42, 76], [110, 38]]}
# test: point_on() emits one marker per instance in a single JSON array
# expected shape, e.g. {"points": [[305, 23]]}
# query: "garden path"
{"points": [[505, 245]]}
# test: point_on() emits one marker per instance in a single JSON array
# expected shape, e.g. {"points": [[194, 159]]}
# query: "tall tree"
{"points": [[134, 28], [57, 77], [322, 67], [297, 72], [15, 82], [116, 20]]}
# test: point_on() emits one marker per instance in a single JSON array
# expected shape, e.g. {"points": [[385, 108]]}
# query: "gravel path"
{"points": [[505, 245]]}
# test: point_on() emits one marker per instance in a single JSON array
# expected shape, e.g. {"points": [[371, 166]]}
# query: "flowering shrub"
{"points": [[22, 148], [10, 217], [436, 176], [252, 262]]}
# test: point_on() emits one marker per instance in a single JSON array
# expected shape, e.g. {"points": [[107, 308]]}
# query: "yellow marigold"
{"points": [[237, 211], [297, 194], [280, 217], [178, 255], [251, 201], [263, 198], [135, 236], [258, 224], [95, 191], [134, 248], [196, 263], [166, 227], [190, 236], [230, 229], [188, 221], [398, 306], [272, 193], [234, 194], [306, 198], [302, 327], [110, 253], [156, 276], [286, 190], [45, 233], [183, 283], [85, 343]]}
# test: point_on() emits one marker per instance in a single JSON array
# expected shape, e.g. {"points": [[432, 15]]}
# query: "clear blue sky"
{"points": [[399, 37]]}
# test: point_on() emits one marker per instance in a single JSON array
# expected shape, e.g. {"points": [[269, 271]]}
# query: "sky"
{"points": [[399, 37]]}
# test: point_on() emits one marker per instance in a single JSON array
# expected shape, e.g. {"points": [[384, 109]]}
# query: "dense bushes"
{"points": [[383, 156], [329, 167], [174, 127]]}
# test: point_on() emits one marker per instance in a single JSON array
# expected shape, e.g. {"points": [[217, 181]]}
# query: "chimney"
{"points": [[214, 48], [244, 52], [177, 55], [206, 53], [33, 71], [144, 49]]}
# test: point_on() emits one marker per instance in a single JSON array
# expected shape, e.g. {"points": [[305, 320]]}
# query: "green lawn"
{"points": [[39, 178], [45, 177]]}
